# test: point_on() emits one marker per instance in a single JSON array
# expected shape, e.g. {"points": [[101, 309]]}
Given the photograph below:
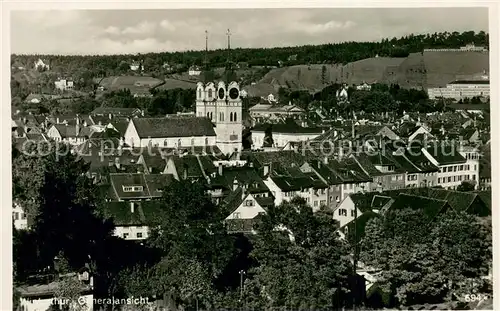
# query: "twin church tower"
{"points": [[221, 102]]}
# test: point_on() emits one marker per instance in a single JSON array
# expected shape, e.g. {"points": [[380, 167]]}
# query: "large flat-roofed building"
{"points": [[461, 89]]}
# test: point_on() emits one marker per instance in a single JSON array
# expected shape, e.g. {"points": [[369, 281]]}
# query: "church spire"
{"points": [[229, 74], [207, 75]]}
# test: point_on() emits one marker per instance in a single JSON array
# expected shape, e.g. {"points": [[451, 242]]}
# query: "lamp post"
{"points": [[242, 273]]}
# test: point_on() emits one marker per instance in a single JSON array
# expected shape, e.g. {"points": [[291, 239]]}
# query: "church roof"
{"points": [[173, 127]]}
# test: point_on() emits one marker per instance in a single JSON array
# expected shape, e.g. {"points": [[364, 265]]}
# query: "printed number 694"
{"points": [[475, 297]]}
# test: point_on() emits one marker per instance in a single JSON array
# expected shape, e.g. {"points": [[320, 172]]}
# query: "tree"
{"points": [[436, 258], [194, 243], [294, 249], [323, 74], [60, 203], [466, 186]]}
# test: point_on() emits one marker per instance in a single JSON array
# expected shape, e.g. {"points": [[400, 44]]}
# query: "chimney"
{"points": [[132, 207], [220, 169], [142, 113], [117, 163]]}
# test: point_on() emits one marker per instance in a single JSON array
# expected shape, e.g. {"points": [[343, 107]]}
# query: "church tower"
{"points": [[221, 102]]}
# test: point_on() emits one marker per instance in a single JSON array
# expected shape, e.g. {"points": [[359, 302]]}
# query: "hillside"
{"points": [[417, 70]]}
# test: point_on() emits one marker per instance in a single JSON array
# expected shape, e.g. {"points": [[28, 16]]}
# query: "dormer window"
{"points": [[132, 188]]}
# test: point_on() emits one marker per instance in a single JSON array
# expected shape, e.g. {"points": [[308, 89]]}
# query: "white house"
{"points": [[136, 66], [345, 212], [19, 217], [194, 71], [283, 134], [248, 207], [72, 134], [63, 84], [39, 64], [170, 132], [455, 165]]}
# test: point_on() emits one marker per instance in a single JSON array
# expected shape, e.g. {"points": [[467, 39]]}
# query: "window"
{"points": [[132, 188], [315, 203], [350, 186], [209, 94], [455, 168], [234, 117], [22, 215], [475, 167], [342, 212], [249, 203], [139, 235], [236, 215], [337, 198], [125, 235], [208, 115], [352, 213], [192, 141], [221, 116], [473, 177], [322, 202], [199, 93], [461, 168], [449, 179], [165, 143], [15, 215], [439, 180], [231, 116]]}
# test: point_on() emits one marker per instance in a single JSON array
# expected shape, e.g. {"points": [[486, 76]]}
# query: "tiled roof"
{"points": [[173, 127], [445, 154], [115, 111], [431, 207], [148, 185], [459, 201], [289, 127], [145, 213]]}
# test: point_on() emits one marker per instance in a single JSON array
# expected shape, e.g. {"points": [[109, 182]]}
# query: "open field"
{"points": [[418, 70], [129, 82]]}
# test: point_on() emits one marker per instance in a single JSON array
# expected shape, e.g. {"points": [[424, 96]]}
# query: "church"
{"points": [[218, 118], [223, 106], [221, 103]]}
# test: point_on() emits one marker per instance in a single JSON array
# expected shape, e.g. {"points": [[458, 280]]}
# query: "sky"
{"points": [[142, 31]]}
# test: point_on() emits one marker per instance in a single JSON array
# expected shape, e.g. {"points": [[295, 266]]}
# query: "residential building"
{"points": [[73, 135], [466, 48], [283, 133], [194, 71], [64, 85], [117, 112], [41, 65], [264, 111], [454, 167], [133, 219], [223, 107], [461, 89], [136, 66], [245, 208], [19, 217], [382, 169], [363, 87]]}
